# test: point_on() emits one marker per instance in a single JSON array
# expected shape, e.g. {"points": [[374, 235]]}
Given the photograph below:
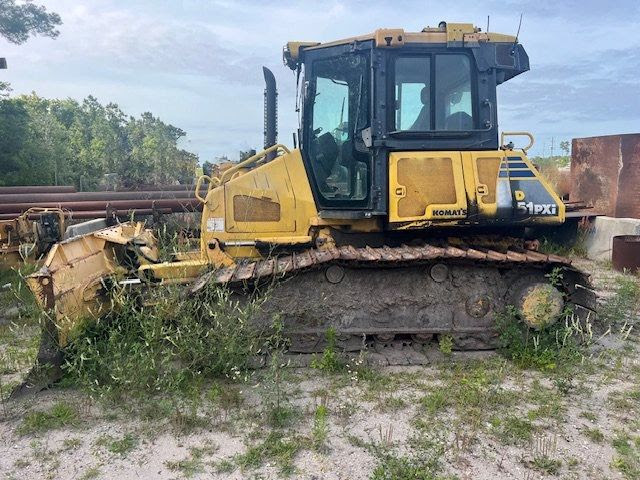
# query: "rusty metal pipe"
{"points": [[185, 204], [37, 189], [37, 199], [101, 213]]}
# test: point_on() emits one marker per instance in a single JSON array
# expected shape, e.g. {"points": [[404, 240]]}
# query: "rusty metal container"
{"points": [[605, 173], [626, 253]]}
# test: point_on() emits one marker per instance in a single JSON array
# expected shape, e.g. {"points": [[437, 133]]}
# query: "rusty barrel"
{"points": [[626, 252]]}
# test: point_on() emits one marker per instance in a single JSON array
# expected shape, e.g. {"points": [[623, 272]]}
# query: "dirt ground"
{"points": [[464, 416]]}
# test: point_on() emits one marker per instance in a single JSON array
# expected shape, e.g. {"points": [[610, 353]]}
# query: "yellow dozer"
{"points": [[399, 215]]}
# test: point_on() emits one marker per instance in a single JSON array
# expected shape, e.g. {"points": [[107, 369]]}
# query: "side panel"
{"points": [[261, 200], [469, 188], [271, 203], [426, 186]]}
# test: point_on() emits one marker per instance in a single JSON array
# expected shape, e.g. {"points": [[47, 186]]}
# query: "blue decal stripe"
{"points": [[517, 174]]}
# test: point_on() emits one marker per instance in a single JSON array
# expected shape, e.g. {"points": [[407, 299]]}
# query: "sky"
{"points": [[197, 63]]}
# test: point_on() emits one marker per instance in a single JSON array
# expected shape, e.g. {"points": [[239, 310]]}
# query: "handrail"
{"points": [[201, 178], [226, 176], [518, 134]]}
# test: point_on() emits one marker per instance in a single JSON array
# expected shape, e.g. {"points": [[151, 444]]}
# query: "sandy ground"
{"points": [[476, 417]]}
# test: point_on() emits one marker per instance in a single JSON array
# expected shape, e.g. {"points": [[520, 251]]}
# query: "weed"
{"points": [[391, 467], [194, 464], [166, 345], [445, 344], [435, 401], [577, 248], [275, 447], [392, 403], [593, 434], [90, 474], [543, 450], [386, 435], [71, 443], [627, 460], [118, 446], [187, 420], [224, 466], [544, 349], [620, 308], [423, 464], [592, 417], [60, 415], [320, 429], [272, 385], [330, 360], [547, 465], [513, 430]]}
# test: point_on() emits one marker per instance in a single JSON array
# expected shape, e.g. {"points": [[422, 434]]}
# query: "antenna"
{"points": [[519, 25], [515, 42], [487, 30]]}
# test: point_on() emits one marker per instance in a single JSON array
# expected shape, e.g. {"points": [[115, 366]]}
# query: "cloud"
{"points": [[198, 64]]}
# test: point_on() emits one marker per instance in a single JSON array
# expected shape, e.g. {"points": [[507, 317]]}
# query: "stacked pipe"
{"points": [[83, 205]]}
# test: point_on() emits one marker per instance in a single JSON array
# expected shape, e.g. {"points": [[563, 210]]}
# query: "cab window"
{"points": [[433, 92]]}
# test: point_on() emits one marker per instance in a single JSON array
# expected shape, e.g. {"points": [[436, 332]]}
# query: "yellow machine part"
{"points": [[69, 283], [272, 203]]}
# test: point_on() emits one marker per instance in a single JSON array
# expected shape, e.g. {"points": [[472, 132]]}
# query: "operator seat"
{"points": [[327, 151], [423, 121], [459, 121]]}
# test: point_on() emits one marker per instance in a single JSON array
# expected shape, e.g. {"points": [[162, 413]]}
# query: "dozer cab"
{"points": [[399, 215]]}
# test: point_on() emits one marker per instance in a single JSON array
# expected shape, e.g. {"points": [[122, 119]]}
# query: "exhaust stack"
{"points": [[270, 111]]}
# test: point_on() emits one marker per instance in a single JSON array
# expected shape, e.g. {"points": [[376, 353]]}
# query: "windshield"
{"points": [[433, 93], [340, 111]]}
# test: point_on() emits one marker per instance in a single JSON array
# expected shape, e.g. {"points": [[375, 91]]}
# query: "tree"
{"points": [[45, 141], [19, 22], [565, 147], [247, 154]]}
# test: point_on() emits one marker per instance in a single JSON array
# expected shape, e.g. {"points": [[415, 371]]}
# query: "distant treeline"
{"points": [[64, 142]]}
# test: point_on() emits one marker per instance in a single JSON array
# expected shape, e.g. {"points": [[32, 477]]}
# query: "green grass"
{"points": [[171, 345], [90, 474], [320, 430], [392, 467], [627, 458], [435, 401], [58, 416], [119, 446], [594, 434], [547, 349], [275, 447], [195, 463], [620, 307], [330, 361], [512, 430], [543, 463]]}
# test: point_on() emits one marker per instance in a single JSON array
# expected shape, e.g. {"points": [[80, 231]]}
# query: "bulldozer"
{"points": [[399, 213]]}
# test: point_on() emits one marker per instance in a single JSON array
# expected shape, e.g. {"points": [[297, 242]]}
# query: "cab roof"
{"points": [[451, 34]]}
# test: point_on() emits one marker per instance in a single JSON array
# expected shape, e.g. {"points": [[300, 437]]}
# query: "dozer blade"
{"points": [[415, 292], [72, 287]]}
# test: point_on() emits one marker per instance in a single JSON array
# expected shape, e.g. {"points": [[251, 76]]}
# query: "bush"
{"points": [[165, 344]]}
